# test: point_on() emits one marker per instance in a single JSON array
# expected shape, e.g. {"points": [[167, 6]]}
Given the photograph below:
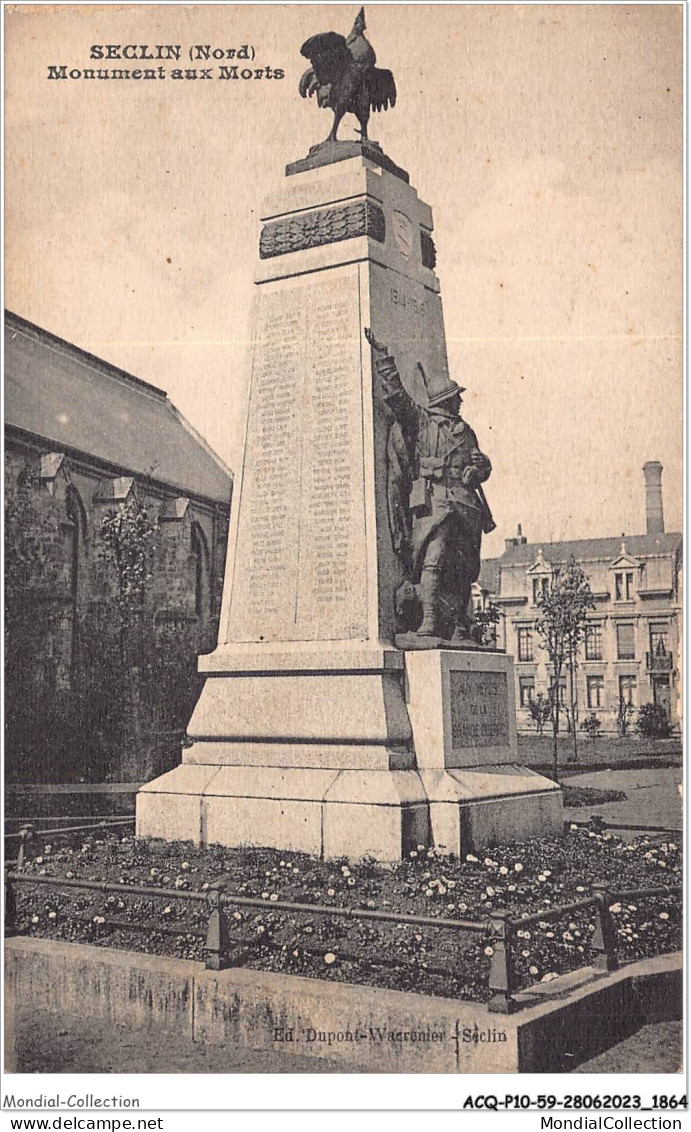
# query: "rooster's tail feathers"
{"points": [[382, 89]]}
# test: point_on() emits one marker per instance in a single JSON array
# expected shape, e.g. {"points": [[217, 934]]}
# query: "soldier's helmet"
{"points": [[439, 387]]}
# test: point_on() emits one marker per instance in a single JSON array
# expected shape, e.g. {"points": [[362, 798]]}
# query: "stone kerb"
{"points": [[559, 1024]]}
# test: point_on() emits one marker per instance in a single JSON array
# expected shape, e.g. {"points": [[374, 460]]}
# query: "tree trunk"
{"points": [[555, 738], [127, 761], [555, 700], [572, 699], [555, 729]]}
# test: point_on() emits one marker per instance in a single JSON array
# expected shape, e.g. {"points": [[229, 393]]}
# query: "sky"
{"points": [[546, 138]]}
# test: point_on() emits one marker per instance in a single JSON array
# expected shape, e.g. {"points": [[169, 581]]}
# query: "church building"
{"points": [[116, 522]]}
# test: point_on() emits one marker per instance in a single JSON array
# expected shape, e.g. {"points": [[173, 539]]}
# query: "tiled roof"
{"points": [[583, 550], [76, 401], [607, 549], [489, 575]]}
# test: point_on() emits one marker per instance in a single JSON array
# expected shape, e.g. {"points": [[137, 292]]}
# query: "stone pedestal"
{"points": [[463, 714], [313, 731]]}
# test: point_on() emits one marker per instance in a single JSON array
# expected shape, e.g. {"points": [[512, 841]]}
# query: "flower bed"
{"points": [[589, 796], [534, 876]]}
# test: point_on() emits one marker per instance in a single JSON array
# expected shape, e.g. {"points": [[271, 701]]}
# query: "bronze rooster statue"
{"points": [[344, 76]]}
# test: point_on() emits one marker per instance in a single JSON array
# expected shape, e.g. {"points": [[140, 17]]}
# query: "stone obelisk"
{"points": [[313, 731]]}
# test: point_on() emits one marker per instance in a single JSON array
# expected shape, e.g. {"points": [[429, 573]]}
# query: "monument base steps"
{"points": [[372, 758], [345, 813]]}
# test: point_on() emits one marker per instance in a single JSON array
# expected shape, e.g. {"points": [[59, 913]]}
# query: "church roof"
{"points": [[76, 401]]}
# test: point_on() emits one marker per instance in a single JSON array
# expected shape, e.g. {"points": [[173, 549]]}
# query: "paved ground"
{"points": [[652, 796], [652, 1049], [49, 1045]]}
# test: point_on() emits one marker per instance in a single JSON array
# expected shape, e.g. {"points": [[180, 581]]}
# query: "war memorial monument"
{"points": [[349, 708]]}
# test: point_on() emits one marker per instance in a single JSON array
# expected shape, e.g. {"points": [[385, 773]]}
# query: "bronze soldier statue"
{"points": [[447, 512]]}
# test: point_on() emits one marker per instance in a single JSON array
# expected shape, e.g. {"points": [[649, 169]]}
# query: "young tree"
{"points": [[625, 711], [561, 627], [126, 546]]}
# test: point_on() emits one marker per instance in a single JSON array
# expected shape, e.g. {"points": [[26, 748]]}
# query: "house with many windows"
{"points": [[632, 648]]}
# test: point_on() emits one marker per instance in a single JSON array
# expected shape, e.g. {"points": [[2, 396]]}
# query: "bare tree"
{"points": [[561, 627]]}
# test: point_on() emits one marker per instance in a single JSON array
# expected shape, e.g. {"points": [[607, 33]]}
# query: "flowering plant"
{"points": [[533, 877]]}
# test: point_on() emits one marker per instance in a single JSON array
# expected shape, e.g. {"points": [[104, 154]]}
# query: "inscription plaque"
{"points": [[479, 709], [300, 562]]}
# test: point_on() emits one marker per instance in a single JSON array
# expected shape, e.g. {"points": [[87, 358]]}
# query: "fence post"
{"points": [[604, 942], [25, 835], [502, 977], [216, 946], [10, 902]]}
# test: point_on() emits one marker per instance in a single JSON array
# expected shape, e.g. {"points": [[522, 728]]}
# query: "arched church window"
{"points": [[75, 531], [75, 538], [200, 556]]}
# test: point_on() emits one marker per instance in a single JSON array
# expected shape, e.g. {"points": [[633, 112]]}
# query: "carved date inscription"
{"points": [[479, 709], [300, 564]]}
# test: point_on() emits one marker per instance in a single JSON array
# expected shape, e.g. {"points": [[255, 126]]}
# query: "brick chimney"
{"points": [[654, 518], [519, 540]]}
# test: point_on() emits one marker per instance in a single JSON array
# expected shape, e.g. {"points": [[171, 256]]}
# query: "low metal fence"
{"points": [[603, 945], [501, 927], [597, 824], [30, 832], [221, 951], [37, 823]]}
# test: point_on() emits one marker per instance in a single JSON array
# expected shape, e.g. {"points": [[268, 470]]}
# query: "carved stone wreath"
{"points": [[325, 226]]}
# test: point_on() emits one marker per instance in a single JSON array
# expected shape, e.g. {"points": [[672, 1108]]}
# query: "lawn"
{"points": [[589, 796], [604, 752], [523, 878]]}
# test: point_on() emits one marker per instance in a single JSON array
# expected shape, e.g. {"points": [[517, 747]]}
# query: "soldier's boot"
{"points": [[428, 591]]}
